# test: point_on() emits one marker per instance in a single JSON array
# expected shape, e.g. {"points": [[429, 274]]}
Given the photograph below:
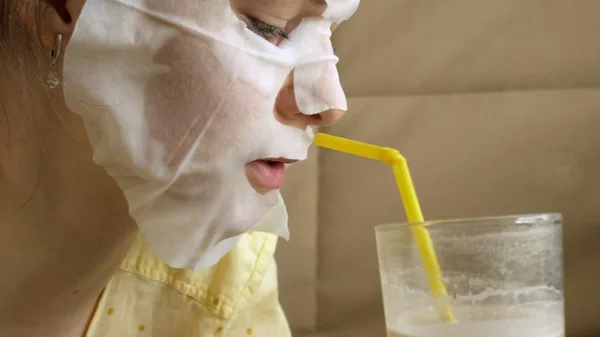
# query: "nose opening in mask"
{"points": [[318, 112]]}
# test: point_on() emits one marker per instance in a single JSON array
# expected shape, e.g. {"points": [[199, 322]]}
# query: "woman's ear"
{"points": [[58, 17], [60, 8]]}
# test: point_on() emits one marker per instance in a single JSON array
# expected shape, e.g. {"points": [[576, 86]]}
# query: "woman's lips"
{"points": [[267, 174]]}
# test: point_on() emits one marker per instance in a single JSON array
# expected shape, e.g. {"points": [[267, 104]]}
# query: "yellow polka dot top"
{"points": [[236, 297]]}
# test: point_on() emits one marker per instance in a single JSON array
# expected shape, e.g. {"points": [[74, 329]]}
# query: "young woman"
{"points": [[82, 251]]}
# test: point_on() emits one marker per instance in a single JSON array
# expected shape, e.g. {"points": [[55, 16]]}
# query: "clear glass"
{"points": [[504, 277]]}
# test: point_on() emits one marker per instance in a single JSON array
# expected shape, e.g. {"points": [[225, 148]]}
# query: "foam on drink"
{"points": [[483, 321]]}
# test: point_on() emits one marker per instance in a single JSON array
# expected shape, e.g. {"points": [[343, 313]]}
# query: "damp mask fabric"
{"points": [[177, 96]]}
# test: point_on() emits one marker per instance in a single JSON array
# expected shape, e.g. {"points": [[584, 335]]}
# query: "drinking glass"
{"points": [[503, 276]]}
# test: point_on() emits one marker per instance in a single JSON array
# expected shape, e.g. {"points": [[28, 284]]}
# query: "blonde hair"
{"points": [[24, 99], [23, 62]]}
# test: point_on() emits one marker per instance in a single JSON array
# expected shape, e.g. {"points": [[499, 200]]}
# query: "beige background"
{"points": [[496, 104]]}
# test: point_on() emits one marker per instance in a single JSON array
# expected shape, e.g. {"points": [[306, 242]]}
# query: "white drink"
{"points": [[482, 322]]}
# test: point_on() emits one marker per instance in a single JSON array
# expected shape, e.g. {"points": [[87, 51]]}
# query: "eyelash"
{"points": [[266, 30]]}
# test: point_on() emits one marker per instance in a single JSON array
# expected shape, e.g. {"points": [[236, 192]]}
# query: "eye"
{"points": [[266, 30]]}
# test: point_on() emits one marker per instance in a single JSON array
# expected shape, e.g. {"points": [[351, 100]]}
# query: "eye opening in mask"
{"points": [[264, 29]]}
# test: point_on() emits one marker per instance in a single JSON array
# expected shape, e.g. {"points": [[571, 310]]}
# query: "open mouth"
{"points": [[275, 161], [268, 174]]}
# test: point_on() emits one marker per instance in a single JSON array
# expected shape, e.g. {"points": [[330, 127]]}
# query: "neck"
{"points": [[19, 160], [59, 249]]}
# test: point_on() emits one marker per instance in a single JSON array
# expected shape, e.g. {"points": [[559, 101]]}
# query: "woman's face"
{"points": [[210, 202], [272, 20]]}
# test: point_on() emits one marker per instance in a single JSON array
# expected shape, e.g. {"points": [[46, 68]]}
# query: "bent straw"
{"points": [[411, 206]]}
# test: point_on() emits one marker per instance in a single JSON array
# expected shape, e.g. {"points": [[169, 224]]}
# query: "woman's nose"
{"points": [[288, 113]]}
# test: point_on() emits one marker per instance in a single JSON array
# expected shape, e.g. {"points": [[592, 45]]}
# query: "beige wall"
{"points": [[496, 105]]}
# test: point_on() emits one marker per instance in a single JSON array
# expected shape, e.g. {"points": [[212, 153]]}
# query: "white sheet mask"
{"points": [[177, 96]]}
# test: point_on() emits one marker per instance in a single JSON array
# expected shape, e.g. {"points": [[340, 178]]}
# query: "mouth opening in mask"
{"points": [[268, 174]]}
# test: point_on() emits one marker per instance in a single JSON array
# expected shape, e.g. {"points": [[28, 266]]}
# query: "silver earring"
{"points": [[52, 80]]}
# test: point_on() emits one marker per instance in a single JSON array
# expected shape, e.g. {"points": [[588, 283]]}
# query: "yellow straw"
{"points": [[411, 206]]}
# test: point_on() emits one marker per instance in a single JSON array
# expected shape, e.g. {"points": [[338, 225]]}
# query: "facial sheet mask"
{"points": [[177, 96]]}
